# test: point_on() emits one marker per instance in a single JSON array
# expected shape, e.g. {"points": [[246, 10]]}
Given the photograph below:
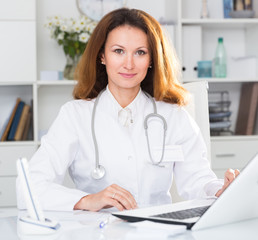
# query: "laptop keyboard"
{"points": [[184, 214]]}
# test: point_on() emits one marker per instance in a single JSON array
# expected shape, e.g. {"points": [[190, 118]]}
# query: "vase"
{"points": [[205, 12], [70, 67]]}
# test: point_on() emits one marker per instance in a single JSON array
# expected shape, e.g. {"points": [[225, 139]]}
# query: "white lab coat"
{"points": [[123, 152]]}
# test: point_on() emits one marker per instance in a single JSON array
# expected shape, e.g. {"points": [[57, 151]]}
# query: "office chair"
{"points": [[198, 108]]}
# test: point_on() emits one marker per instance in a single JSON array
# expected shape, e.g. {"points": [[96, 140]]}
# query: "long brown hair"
{"points": [[161, 81]]}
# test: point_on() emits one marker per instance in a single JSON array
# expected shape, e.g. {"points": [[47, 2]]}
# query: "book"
{"points": [[15, 122], [31, 130], [22, 123], [247, 109], [8, 126], [227, 7], [27, 126], [3, 128]]}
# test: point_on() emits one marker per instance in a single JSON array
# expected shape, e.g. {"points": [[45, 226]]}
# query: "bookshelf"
{"points": [[47, 100], [240, 39], [19, 79], [18, 74]]}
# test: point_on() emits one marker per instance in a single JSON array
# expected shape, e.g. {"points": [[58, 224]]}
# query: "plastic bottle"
{"points": [[220, 61]]}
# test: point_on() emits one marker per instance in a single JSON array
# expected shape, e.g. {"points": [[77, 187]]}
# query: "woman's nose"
{"points": [[129, 62]]}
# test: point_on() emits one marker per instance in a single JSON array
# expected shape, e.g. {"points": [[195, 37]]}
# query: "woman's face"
{"points": [[127, 58]]}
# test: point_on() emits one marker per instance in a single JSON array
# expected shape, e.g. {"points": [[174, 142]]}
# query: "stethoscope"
{"points": [[99, 171]]}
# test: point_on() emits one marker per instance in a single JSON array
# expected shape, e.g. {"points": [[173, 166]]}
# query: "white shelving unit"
{"points": [[18, 73], [19, 79], [196, 41]]}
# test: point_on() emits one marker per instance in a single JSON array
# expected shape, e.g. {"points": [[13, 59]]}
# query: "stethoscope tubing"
{"points": [[155, 115], [99, 171]]}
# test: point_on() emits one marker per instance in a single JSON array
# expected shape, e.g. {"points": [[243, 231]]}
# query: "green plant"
{"points": [[72, 34]]}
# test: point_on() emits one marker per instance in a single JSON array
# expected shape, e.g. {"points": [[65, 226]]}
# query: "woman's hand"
{"points": [[230, 175], [112, 196]]}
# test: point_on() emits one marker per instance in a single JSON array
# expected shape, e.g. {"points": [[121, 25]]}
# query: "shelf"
{"points": [[219, 80], [15, 83], [235, 138], [18, 143], [58, 82], [221, 23], [43, 83]]}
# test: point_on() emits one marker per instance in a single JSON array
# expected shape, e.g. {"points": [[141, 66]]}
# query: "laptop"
{"points": [[238, 202]]}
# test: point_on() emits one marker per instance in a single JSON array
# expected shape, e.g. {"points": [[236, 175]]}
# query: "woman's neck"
{"points": [[124, 96]]}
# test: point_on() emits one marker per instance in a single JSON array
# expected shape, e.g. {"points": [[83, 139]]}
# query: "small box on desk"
{"points": [[51, 75]]}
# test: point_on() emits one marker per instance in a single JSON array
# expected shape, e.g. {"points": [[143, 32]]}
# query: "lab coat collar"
{"points": [[133, 107]]}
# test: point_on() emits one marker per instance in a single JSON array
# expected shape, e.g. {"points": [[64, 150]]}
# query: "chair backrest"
{"points": [[198, 108]]}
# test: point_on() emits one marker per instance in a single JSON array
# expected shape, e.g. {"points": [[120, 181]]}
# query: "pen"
{"points": [[107, 221], [104, 223]]}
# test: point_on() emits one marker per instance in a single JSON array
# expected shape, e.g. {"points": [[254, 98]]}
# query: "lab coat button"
{"points": [[130, 158]]}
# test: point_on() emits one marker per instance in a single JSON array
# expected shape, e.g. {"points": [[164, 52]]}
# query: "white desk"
{"points": [[81, 225]]}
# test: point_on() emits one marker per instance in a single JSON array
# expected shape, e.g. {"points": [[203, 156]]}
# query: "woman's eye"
{"points": [[119, 51], [140, 52]]}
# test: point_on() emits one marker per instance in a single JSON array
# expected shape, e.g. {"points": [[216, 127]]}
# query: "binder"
{"points": [[191, 50], [9, 124], [15, 122], [247, 109]]}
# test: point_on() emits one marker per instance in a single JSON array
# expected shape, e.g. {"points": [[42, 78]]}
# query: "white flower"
{"points": [[64, 28], [60, 36], [58, 22], [84, 37], [77, 27], [90, 27], [82, 23], [54, 21], [71, 22], [49, 24]]}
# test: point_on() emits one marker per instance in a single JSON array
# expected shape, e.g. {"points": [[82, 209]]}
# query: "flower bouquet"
{"points": [[73, 35]]}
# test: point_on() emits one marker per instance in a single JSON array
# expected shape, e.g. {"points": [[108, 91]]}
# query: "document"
{"points": [[155, 229]]}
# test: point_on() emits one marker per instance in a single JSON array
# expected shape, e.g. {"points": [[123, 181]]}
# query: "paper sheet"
{"points": [[148, 227]]}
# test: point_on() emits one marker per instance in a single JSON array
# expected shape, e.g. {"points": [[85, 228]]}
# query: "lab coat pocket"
{"points": [[172, 153], [160, 176]]}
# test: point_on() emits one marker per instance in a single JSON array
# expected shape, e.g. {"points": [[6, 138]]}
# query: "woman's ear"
{"points": [[102, 59]]}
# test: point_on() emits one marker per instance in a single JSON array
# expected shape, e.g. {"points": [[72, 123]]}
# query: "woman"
{"points": [[100, 137]]}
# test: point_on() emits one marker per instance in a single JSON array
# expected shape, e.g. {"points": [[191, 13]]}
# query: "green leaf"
{"points": [[66, 49], [71, 52]]}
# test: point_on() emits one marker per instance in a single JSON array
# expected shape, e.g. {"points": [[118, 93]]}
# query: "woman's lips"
{"points": [[127, 75]]}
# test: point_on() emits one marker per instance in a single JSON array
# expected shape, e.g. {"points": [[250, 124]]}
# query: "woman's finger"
{"points": [[124, 195], [237, 172], [229, 176], [114, 203], [123, 201]]}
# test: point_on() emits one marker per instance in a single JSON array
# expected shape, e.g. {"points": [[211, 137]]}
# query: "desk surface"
{"points": [[79, 225]]}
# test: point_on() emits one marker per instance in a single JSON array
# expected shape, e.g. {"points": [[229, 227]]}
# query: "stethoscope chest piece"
{"points": [[98, 172]]}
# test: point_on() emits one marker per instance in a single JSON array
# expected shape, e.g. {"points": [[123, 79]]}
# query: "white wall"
{"points": [[50, 55]]}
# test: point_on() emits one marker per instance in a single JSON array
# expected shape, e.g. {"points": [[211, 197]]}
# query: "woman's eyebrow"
{"points": [[118, 45]]}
